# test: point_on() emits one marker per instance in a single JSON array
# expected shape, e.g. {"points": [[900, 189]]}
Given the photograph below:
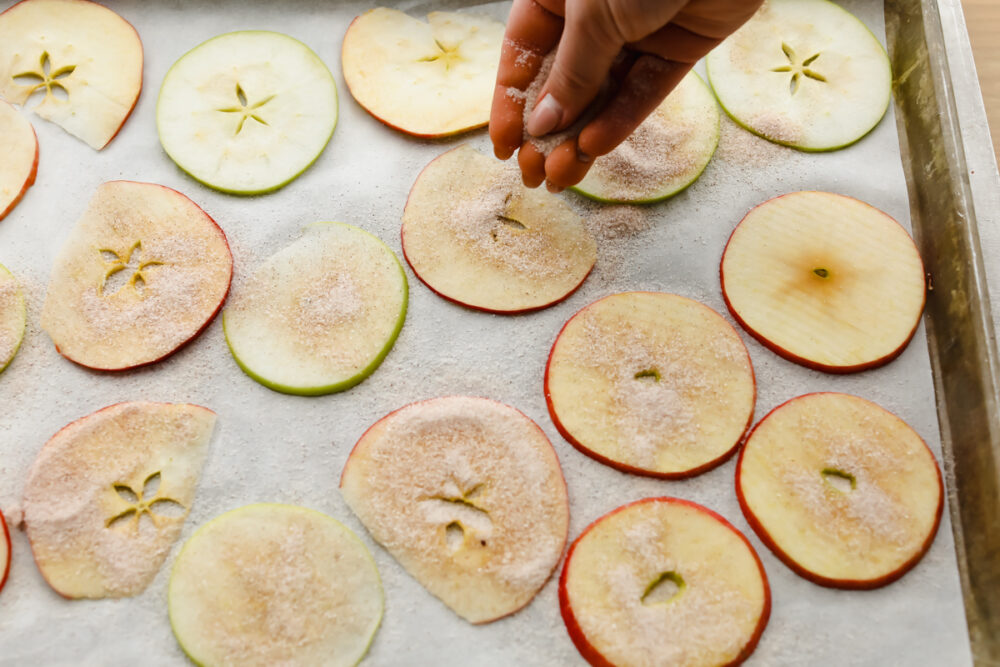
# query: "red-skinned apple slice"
{"points": [[651, 383], [842, 491], [4, 551], [86, 52], [13, 317], [272, 584], [18, 157], [663, 581], [108, 494], [427, 79], [476, 236], [143, 271], [468, 496], [824, 280]]}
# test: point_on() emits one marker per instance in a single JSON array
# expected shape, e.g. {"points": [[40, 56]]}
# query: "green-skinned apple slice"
{"points": [[842, 491], [272, 584], [320, 315], [803, 73], [142, 272], [13, 317], [4, 551], [824, 280], [108, 494], [247, 112], [664, 155], [18, 157], [85, 58], [428, 79], [468, 496], [663, 581], [476, 236], [651, 383]]}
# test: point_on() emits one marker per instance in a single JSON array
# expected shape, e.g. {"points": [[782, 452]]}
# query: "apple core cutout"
{"points": [[665, 588], [13, 317], [145, 502], [840, 480], [18, 157]]}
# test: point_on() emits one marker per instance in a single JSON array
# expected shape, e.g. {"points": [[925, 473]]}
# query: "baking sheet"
{"points": [[278, 448]]}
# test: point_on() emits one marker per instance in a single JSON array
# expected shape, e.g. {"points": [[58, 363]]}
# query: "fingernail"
{"points": [[583, 157], [553, 188], [545, 116]]}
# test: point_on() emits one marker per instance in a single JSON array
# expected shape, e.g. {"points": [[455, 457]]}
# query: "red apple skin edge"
{"points": [[851, 584], [28, 183], [705, 467], [141, 78], [402, 239], [590, 654], [562, 549], [208, 320], [5, 536], [780, 351]]}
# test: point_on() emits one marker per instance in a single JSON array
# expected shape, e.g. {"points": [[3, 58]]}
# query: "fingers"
{"points": [[532, 164]]}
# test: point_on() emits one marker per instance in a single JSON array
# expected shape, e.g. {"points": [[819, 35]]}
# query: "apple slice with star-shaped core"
{"points": [[476, 236], [663, 581], [4, 551], [844, 492], [803, 73], [428, 79], [468, 496], [272, 584], [142, 272], [320, 315], [86, 60], [108, 494], [664, 155], [13, 317], [247, 112], [824, 280], [18, 157], [651, 383]]}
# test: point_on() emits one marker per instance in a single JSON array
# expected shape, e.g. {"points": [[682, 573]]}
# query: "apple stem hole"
{"points": [[454, 536], [840, 480], [822, 273], [666, 587], [650, 374]]}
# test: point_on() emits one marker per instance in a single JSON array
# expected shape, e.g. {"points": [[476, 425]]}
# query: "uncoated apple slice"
{"points": [[13, 317], [142, 272], [18, 157], [87, 60], [467, 494], [108, 494], [4, 551]]}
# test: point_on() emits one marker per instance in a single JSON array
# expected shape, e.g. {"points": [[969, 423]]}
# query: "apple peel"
{"points": [[18, 157], [13, 317], [4, 552]]}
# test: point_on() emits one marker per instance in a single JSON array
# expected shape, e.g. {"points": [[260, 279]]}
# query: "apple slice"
{"points": [[664, 155], [803, 73], [663, 581], [428, 79], [842, 491], [824, 280], [142, 272], [86, 59], [275, 584], [247, 112], [18, 157], [467, 494], [476, 236], [13, 317], [651, 383], [320, 315], [108, 494], [4, 551]]}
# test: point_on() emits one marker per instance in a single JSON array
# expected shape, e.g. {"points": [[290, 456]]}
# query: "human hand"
{"points": [[645, 47]]}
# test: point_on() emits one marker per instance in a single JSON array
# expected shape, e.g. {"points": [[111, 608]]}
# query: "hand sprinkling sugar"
{"points": [[577, 77]]}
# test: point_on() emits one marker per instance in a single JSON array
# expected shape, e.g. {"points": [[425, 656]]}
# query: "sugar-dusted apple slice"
{"points": [[275, 584], [476, 236], [4, 551], [320, 315], [108, 494], [665, 154], [663, 581], [824, 280], [803, 73], [247, 112], [841, 490], [85, 58], [429, 79], [13, 317], [651, 383], [18, 157], [142, 272], [467, 494]]}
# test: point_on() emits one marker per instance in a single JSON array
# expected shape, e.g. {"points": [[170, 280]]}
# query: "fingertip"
{"points": [[532, 164], [563, 168]]}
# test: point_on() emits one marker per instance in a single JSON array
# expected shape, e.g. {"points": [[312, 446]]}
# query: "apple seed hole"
{"points": [[840, 480], [454, 536], [821, 272], [650, 374], [116, 521], [666, 587], [809, 61], [126, 493]]}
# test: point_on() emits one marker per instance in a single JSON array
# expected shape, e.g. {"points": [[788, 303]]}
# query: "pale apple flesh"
{"points": [[13, 317], [272, 584], [468, 496], [320, 315], [663, 581], [842, 491], [4, 552], [824, 280], [18, 157]]}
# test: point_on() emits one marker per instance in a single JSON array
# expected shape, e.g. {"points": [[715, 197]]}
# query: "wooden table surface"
{"points": [[983, 20]]}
